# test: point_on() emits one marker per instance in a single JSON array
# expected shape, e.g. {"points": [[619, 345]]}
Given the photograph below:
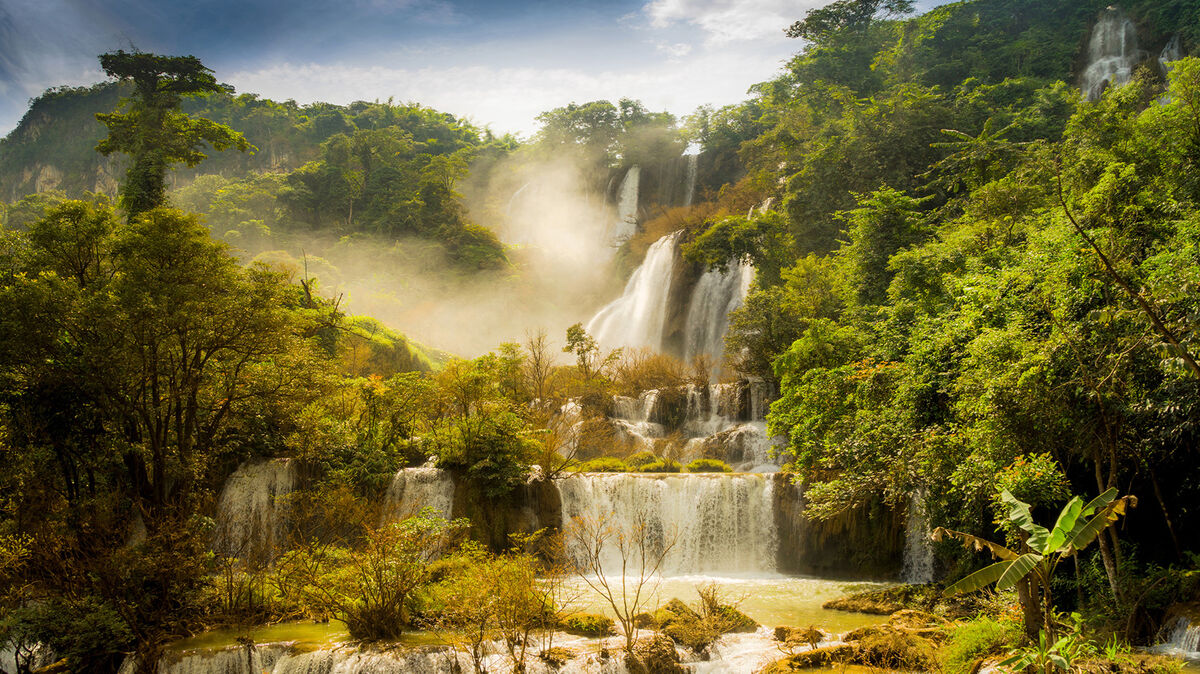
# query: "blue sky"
{"points": [[498, 63]]}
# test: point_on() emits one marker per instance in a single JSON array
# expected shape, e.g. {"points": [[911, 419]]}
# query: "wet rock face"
{"points": [[865, 543], [532, 506]]}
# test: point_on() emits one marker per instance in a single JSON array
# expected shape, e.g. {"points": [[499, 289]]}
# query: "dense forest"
{"points": [[967, 358]]}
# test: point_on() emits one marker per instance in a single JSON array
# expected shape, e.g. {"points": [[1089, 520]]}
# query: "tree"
{"points": [[151, 128], [821, 23], [1031, 567], [621, 563]]}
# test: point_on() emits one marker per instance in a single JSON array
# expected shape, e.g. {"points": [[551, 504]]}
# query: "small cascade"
{"points": [[1183, 640], [1173, 51], [414, 489], [635, 319], [726, 422], [715, 296], [627, 206], [918, 548], [689, 193], [720, 523], [252, 511], [1112, 53]]}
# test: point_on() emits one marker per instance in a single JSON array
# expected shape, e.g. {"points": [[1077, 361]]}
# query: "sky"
{"points": [[498, 63]]}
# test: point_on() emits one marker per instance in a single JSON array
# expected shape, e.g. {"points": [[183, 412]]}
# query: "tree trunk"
{"points": [[1031, 606]]}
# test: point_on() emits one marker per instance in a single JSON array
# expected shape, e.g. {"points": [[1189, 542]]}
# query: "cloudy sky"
{"points": [[497, 62]]}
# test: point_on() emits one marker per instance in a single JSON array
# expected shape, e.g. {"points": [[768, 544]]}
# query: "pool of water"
{"points": [[771, 600]]}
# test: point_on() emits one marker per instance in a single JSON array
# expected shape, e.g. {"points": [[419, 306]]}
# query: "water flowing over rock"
{"points": [[252, 510], [414, 489], [689, 194], [720, 523], [1183, 640], [627, 206], [716, 294], [1171, 52], [635, 319], [918, 549], [1112, 53]]}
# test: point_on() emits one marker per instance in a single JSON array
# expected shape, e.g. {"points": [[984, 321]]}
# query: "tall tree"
{"points": [[150, 127]]}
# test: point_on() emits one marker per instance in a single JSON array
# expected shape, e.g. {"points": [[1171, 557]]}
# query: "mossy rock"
{"points": [[645, 621], [730, 619], [588, 625], [680, 609], [817, 657], [557, 656], [654, 655], [664, 466], [896, 650], [888, 600], [709, 466], [636, 461], [693, 634], [796, 635]]}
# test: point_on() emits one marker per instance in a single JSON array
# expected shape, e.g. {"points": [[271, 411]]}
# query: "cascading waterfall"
{"points": [[251, 511], [918, 550], [1171, 52], [635, 319], [726, 421], [689, 194], [1112, 53], [715, 296], [1184, 639], [627, 206], [720, 523], [414, 489]]}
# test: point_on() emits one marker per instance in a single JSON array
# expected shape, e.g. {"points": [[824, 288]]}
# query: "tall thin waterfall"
{"points": [[720, 523], [251, 514], [1172, 51], [1112, 53], [716, 294], [414, 489], [627, 206], [689, 194], [636, 318], [918, 551]]}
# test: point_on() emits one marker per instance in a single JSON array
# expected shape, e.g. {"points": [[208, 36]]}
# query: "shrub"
{"points": [[604, 464], [664, 466], [640, 459], [589, 625], [977, 639], [708, 466]]}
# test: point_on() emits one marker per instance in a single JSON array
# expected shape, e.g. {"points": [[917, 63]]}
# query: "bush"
{"points": [[664, 466], [977, 639], [604, 464], [708, 466], [636, 461], [589, 625]]}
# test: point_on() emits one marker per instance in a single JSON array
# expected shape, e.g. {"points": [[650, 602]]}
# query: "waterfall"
{"points": [[627, 206], [1112, 53], [1173, 51], [689, 193], [716, 294], [636, 318], [1184, 639], [413, 489], [720, 523], [251, 517], [918, 550]]}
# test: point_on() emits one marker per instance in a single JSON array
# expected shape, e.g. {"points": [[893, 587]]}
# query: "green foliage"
{"points": [[152, 130], [589, 625], [979, 638], [659, 466], [708, 466], [763, 239], [604, 464]]}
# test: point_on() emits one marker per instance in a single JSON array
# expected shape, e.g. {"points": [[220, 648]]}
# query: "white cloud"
{"points": [[675, 51], [508, 99], [725, 21]]}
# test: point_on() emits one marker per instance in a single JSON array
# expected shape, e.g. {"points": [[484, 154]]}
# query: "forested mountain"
{"points": [[953, 257]]}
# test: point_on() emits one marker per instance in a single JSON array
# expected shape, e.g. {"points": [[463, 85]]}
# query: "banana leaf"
{"points": [[975, 542]]}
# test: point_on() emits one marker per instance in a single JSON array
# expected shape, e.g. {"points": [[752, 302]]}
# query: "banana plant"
{"points": [[1031, 567]]}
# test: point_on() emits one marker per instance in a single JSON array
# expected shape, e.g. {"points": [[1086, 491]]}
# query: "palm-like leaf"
{"points": [[1064, 526], [1017, 569], [1019, 514], [980, 579], [1086, 533], [975, 542]]}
